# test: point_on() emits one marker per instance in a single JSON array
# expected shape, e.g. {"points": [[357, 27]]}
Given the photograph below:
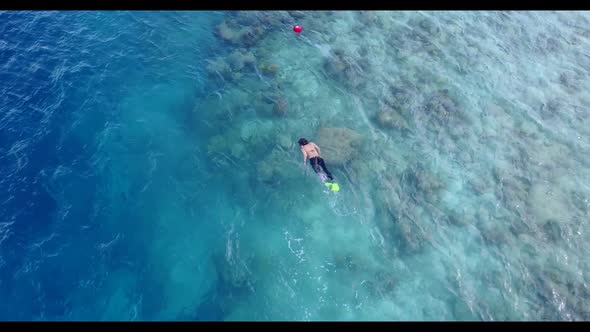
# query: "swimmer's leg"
{"points": [[321, 162], [315, 165]]}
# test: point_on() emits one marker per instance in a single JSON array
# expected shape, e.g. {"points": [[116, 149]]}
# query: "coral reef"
{"points": [[244, 36], [339, 145], [344, 69], [447, 149], [388, 117]]}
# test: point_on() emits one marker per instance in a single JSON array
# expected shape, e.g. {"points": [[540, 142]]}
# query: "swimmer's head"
{"points": [[303, 141]]}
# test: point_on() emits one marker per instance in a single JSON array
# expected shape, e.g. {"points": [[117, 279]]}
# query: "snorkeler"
{"points": [[311, 150]]}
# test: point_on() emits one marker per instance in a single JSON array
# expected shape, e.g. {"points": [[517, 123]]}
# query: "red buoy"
{"points": [[297, 28]]}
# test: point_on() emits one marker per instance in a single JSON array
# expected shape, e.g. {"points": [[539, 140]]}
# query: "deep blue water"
{"points": [[149, 167], [70, 82]]}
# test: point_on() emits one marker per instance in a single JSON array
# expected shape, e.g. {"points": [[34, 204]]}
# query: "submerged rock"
{"points": [[546, 44], [343, 69], [272, 103], [272, 169], [335, 64], [217, 143], [225, 32], [399, 97], [513, 190], [552, 230], [551, 279], [398, 222], [234, 277], [443, 113], [577, 197], [493, 236], [441, 106], [241, 58], [339, 145], [269, 69], [297, 14], [383, 285], [369, 18], [551, 108], [274, 18], [548, 204], [261, 21], [238, 150], [411, 237], [218, 68], [265, 171], [570, 82], [388, 117], [232, 33], [280, 106], [345, 261], [250, 36], [421, 182], [429, 27], [285, 142]]}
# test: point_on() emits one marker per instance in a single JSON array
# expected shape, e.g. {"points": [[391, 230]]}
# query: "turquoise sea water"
{"points": [[150, 167]]}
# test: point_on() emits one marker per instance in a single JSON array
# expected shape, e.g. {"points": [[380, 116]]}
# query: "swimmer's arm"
{"points": [[304, 156]]}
